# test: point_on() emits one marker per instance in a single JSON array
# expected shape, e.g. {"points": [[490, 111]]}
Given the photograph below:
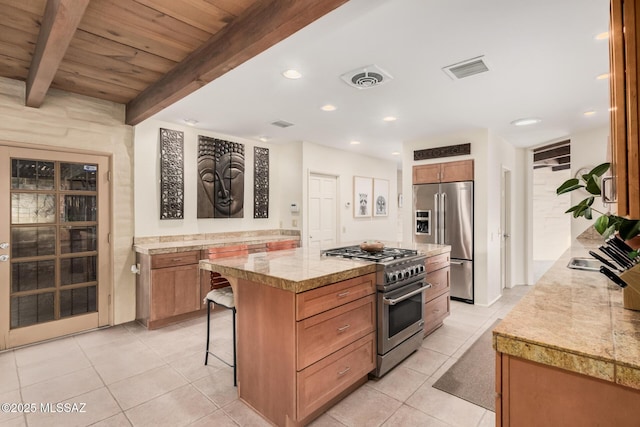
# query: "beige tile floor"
{"points": [[128, 376]]}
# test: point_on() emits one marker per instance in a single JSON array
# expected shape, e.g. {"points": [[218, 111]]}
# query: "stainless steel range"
{"points": [[400, 280]]}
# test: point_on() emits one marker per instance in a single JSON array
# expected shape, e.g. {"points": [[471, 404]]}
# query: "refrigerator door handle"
{"points": [[443, 212], [436, 218]]}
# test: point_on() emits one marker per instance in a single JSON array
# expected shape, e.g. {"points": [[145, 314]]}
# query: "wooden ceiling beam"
{"points": [[263, 25], [59, 23]]}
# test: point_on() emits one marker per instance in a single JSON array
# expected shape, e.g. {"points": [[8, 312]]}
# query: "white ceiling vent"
{"points": [[282, 124], [466, 68], [366, 77]]}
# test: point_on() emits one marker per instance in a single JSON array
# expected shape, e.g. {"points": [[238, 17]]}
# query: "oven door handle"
{"points": [[394, 301]]}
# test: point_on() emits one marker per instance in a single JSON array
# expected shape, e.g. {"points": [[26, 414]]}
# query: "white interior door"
{"points": [[322, 208], [505, 229], [55, 263]]}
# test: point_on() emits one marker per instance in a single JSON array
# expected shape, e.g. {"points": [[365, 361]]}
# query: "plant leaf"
{"points": [[569, 185], [609, 232], [600, 169], [592, 185], [587, 213], [572, 208], [589, 200], [629, 228], [601, 224]]}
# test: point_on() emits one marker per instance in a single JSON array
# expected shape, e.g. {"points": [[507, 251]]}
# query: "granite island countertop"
{"points": [[574, 320], [302, 269]]}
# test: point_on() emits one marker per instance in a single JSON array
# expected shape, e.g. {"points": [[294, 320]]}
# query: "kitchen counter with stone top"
{"points": [[574, 320], [196, 242], [302, 269]]}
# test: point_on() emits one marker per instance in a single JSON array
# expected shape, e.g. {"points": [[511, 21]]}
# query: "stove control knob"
{"points": [[406, 273], [391, 277], [421, 269]]}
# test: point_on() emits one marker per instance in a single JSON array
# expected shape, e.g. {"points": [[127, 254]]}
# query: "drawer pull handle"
{"points": [[344, 371], [344, 328], [176, 259], [437, 310], [342, 294]]}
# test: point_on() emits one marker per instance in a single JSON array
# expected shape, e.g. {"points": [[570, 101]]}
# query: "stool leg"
{"points": [[206, 357], [235, 375]]}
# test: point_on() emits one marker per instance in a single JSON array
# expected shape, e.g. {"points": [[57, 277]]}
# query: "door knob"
{"points": [[4, 258], [4, 245]]}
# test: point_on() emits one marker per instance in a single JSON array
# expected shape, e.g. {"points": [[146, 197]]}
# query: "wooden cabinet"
{"points": [[167, 288], [624, 52], [443, 172], [532, 394], [170, 287], [436, 307], [300, 353]]}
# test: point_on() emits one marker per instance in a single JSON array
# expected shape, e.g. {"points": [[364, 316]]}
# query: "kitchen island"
{"points": [[306, 329], [569, 353]]}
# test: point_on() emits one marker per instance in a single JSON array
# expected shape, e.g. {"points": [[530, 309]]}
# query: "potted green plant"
{"points": [[606, 224]]}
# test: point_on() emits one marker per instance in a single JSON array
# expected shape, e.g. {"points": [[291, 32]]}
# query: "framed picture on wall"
{"points": [[361, 197], [380, 197]]}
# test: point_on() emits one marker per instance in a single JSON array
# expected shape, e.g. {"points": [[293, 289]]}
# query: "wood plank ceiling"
{"points": [[146, 54]]}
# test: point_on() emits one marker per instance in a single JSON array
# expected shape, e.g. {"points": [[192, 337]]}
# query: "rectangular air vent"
{"points": [[282, 124], [466, 68]]}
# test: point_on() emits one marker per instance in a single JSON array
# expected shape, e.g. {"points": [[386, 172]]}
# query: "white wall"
{"points": [[490, 154], [147, 186], [288, 176], [345, 165], [588, 149], [551, 225], [77, 122]]}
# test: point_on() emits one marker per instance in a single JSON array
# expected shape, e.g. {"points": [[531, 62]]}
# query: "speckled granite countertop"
{"points": [[574, 320], [166, 247], [299, 270]]}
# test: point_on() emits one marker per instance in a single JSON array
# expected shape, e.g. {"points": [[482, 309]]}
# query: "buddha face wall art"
{"points": [[220, 178]]}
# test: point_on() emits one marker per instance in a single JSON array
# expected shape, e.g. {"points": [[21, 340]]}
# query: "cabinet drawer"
{"points": [[225, 251], [327, 297], [324, 380], [325, 333], [175, 259], [437, 262], [439, 280], [282, 244], [435, 311]]}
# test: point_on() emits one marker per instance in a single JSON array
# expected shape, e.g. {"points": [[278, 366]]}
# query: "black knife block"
{"points": [[631, 294]]}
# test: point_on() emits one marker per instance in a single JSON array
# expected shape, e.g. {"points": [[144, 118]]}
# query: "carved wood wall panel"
{"points": [[260, 182], [171, 174], [439, 152], [220, 178]]}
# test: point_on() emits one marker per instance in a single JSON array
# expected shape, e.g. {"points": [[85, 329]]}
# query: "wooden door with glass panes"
{"points": [[55, 275]]}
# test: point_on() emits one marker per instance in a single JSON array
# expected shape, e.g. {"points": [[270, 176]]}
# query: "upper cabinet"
{"points": [[625, 132], [443, 172]]}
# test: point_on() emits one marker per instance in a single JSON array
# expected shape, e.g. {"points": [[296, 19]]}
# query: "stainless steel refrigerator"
{"points": [[443, 214]]}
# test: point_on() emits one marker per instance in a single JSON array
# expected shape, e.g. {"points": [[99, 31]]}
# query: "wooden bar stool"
{"points": [[223, 297]]}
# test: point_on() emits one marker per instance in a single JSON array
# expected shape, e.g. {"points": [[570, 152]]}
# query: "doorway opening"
{"points": [[551, 226]]}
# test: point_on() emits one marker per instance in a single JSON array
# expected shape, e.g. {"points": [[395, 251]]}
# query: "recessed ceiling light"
{"points": [[191, 122], [602, 36], [526, 121], [589, 113], [395, 153], [390, 119], [354, 142], [292, 74], [263, 138], [328, 107], [602, 76]]}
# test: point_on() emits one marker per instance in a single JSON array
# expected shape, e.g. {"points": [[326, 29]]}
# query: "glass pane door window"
{"points": [[54, 235]]}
